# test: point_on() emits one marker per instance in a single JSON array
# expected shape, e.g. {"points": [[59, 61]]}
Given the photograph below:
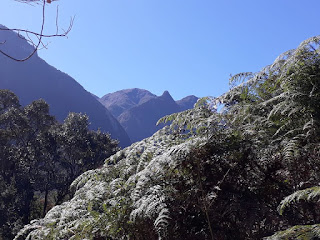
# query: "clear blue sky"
{"points": [[183, 46]]}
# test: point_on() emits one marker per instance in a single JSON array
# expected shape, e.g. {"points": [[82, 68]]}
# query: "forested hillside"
{"points": [[212, 175]]}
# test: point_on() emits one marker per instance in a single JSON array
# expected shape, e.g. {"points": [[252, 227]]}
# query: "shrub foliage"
{"points": [[211, 174], [39, 158]]}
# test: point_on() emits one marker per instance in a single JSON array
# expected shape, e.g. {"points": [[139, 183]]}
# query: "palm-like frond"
{"points": [[307, 194], [274, 110], [299, 232]]}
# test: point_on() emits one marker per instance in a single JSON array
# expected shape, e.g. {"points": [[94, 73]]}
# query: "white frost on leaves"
{"points": [[136, 174]]}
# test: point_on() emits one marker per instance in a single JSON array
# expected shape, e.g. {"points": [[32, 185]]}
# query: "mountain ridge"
{"points": [[119, 101], [35, 79], [138, 110]]}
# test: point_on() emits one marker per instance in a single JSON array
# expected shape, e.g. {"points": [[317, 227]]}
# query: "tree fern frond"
{"points": [[294, 110], [275, 99], [291, 149], [240, 78], [309, 125], [282, 58], [281, 108], [115, 185], [169, 118], [161, 223], [299, 232], [310, 41], [152, 206], [306, 194], [293, 132]]}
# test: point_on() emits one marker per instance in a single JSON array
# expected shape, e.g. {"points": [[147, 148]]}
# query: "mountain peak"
{"points": [[187, 102], [138, 110], [120, 101], [166, 95]]}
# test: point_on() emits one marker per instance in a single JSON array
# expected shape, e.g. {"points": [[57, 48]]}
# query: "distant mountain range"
{"points": [[138, 110], [128, 115], [122, 100], [35, 79]]}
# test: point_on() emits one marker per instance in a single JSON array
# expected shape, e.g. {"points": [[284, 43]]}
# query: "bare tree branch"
{"points": [[39, 35], [34, 1]]}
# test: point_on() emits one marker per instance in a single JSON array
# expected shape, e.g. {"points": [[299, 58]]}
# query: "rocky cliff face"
{"points": [[35, 79]]}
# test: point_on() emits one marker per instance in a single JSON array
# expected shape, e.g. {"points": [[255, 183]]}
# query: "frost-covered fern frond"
{"points": [[310, 46], [135, 189], [280, 99], [240, 79], [307, 194], [152, 205], [201, 120], [130, 186], [299, 232]]}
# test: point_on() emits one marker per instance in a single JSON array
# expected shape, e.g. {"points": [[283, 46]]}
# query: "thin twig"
{"points": [[57, 16], [39, 42], [39, 35]]}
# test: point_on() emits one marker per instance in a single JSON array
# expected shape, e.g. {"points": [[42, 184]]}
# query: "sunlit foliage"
{"points": [[213, 173]]}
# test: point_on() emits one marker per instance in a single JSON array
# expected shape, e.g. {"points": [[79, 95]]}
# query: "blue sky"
{"points": [[183, 46]]}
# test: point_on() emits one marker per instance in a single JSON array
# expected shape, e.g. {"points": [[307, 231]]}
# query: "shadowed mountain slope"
{"points": [[187, 102], [138, 110], [140, 121], [122, 100], [35, 79]]}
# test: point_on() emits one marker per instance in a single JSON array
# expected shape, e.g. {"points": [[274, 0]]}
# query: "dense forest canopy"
{"points": [[39, 158], [212, 174]]}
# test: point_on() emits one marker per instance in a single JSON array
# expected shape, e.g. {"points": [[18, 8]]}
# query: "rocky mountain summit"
{"points": [[122, 100], [138, 110]]}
